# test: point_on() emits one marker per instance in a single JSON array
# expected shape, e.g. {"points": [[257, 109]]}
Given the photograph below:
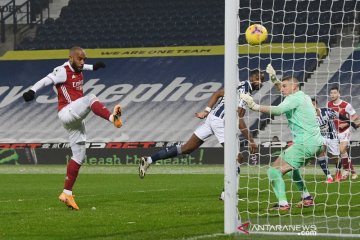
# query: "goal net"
{"points": [[315, 41]]}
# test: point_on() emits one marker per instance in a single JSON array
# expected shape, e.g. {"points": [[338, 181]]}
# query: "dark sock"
{"points": [[324, 166], [165, 153]]}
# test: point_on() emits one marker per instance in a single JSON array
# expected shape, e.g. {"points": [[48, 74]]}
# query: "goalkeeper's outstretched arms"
{"points": [[272, 75], [211, 103], [273, 110]]}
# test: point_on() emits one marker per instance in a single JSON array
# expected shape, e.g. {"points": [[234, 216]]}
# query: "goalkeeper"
{"points": [[301, 116]]}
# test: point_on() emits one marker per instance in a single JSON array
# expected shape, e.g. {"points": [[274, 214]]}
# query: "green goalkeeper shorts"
{"points": [[299, 155]]}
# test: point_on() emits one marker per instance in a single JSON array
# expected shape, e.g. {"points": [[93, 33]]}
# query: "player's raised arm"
{"points": [[272, 75], [211, 103]]}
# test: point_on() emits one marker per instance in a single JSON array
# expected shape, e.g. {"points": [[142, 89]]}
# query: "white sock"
{"points": [[329, 176], [67, 192], [305, 194], [283, 203], [178, 148], [149, 160]]}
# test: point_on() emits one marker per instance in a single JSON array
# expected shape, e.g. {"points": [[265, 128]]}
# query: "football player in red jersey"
{"points": [[73, 107], [343, 129]]}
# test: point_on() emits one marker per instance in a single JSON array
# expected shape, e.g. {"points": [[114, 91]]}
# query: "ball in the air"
{"points": [[256, 34]]}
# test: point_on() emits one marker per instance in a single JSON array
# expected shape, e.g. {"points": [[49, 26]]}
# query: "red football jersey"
{"points": [[71, 89], [344, 108], [69, 84]]}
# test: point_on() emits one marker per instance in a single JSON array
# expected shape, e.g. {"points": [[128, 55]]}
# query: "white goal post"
{"points": [[231, 74], [317, 41]]}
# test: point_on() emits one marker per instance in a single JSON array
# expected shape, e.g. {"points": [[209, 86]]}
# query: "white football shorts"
{"points": [[72, 116], [332, 146], [211, 126]]}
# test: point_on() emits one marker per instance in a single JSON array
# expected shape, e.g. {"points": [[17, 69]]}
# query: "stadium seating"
{"points": [[140, 23], [347, 78]]}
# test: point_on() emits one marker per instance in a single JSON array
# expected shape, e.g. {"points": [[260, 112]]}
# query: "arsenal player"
{"points": [[343, 128], [73, 107]]}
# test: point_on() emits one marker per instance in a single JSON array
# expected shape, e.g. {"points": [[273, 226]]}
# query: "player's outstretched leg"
{"points": [[164, 153], [100, 110]]}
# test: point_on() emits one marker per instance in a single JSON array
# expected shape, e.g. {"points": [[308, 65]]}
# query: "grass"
{"points": [[170, 203]]}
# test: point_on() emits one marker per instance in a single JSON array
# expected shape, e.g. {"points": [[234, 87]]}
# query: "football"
{"points": [[256, 34]]}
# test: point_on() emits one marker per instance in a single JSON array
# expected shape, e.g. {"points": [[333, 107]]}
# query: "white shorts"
{"points": [[344, 136], [72, 116], [332, 146], [211, 126]]}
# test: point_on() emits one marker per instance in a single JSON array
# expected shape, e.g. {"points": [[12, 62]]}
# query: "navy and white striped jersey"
{"points": [[244, 87], [326, 123]]}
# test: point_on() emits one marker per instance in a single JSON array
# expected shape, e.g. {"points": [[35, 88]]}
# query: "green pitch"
{"points": [[170, 203]]}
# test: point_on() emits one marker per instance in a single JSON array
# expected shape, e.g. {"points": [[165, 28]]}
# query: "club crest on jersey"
{"points": [[78, 85]]}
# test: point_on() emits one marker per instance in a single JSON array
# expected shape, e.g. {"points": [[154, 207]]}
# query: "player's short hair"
{"points": [[314, 100], [290, 79], [75, 48], [334, 88], [257, 71]]}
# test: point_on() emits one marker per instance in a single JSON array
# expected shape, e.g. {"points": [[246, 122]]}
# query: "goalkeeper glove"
{"points": [[98, 65], [249, 101], [29, 95], [271, 71]]}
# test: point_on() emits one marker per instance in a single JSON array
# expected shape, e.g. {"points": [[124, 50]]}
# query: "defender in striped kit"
{"points": [[73, 107], [212, 125]]}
